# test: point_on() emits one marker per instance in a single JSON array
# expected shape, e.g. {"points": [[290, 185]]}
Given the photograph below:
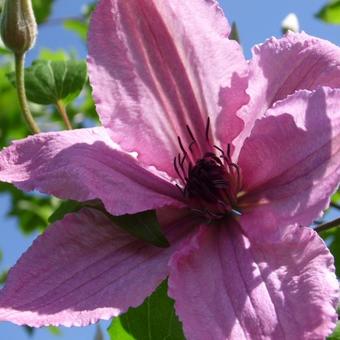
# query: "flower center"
{"points": [[210, 182]]}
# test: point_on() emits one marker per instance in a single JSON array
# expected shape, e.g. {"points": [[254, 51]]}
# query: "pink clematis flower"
{"points": [[235, 156]]}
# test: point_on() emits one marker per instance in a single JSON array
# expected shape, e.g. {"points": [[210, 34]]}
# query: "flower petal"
{"points": [[229, 287], [156, 66], [280, 67], [84, 165], [83, 269], [291, 162]]}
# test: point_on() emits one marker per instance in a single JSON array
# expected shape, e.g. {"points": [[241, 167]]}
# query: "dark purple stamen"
{"points": [[212, 182], [207, 129]]}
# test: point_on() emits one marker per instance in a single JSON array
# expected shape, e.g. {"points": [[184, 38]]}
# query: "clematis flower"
{"points": [[236, 157]]}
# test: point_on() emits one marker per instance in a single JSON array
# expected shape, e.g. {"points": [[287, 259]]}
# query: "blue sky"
{"points": [[256, 20]]}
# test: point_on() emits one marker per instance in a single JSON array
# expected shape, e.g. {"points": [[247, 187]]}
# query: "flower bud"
{"points": [[18, 27], [290, 23]]}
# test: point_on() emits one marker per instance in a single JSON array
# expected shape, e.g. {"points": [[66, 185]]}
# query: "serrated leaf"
{"points": [[144, 226], [330, 13], [47, 82], [64, 208], [154, 319]]}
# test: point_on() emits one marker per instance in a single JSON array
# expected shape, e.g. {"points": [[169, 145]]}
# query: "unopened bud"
{"points": [[18, 26], [290, 23]]}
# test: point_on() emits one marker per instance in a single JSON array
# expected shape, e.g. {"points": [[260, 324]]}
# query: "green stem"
{"points": [[20, 82], [332, 224], [62, 110]]}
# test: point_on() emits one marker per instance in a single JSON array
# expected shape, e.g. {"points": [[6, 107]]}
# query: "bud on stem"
{"points": [[18, 26], [18, 30]]}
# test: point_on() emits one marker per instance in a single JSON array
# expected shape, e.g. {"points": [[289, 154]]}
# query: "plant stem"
{"points": [[20, 82], [62, 110], [325, 226]]}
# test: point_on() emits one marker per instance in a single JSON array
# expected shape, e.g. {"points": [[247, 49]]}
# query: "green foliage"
{"points": [[330, 13], [42, 9], [3, 277], [336, 334], [154, 319], [54, 330], [3, 274], [64, 208], [47, 82], [78, 26], [59, 55], [10, 113], [234, 34], [332, 239], [31, 210], [144, 226]]}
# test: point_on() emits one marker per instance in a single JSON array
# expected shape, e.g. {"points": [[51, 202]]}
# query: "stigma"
{"points": [[210, 181]]}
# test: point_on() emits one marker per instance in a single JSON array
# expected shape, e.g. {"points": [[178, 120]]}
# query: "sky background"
{"points": [[256, 21]]}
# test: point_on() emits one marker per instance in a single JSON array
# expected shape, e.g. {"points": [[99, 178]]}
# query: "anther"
{"points": [[207, 129]]}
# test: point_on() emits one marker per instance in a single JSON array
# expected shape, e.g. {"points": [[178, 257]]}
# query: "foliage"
{"points": [[142, 225], [47, 82], [154, 319], [42, 9], [330, 13], [80, 25], [58, 76]]}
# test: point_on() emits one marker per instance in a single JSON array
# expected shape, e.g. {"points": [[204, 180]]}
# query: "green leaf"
{"points": [[332, 239], [47, 82], [144, 226], [154, 319], [29, 330], [64, 208], [42, 9], [234, 34], [336, 197], [3, 277], [57, 55], [54, 330], [30, 209], [336, 333], [330, 13], [79, 27]]}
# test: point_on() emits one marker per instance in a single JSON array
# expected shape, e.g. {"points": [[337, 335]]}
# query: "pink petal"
{"points": [[229, 287], [83, 165], [291, 162], [156, 66], [279, 67], [83, 269]]}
